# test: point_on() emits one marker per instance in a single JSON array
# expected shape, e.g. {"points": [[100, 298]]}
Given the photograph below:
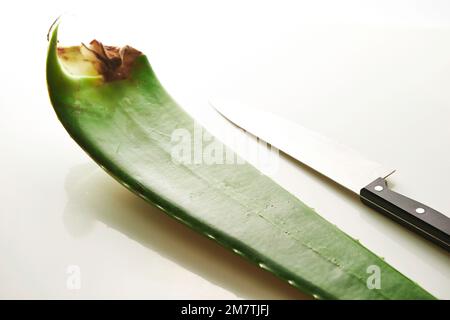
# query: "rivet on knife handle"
{"points": [[416, 216]]}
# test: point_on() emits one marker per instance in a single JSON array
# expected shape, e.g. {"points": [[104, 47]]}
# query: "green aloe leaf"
{"points": [[114, 107]]}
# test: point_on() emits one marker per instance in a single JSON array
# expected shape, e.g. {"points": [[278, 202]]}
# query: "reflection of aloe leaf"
{"points": [[95, 200], [111, 102]]}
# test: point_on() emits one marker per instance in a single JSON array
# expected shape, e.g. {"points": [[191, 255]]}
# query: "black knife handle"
{"points": [[416, 216]]}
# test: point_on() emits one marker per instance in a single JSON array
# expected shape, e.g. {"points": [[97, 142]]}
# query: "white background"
{"points": [[372, 74]]}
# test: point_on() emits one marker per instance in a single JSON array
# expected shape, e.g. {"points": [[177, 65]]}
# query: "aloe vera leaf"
{"points": [[125, 124]]}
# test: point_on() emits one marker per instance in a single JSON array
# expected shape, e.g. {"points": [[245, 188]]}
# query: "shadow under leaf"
{"points": [[94, 196]]}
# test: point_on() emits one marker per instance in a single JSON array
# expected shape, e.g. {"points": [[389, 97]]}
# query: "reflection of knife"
{"points": [[342, 165]]}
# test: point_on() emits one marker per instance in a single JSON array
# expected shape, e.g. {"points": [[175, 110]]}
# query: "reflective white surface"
{"points": [[374, 76]]}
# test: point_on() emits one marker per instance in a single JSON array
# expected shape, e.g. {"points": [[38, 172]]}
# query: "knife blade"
{"points": [[343, 165]]}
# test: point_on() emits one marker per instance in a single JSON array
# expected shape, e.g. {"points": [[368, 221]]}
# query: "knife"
{"points": [[365, 178]]}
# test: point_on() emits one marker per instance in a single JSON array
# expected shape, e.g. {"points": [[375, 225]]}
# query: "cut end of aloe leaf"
{"points": [[95, 59]]}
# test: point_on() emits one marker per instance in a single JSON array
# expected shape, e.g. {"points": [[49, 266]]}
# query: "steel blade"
{"points": [[334, 160]]}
